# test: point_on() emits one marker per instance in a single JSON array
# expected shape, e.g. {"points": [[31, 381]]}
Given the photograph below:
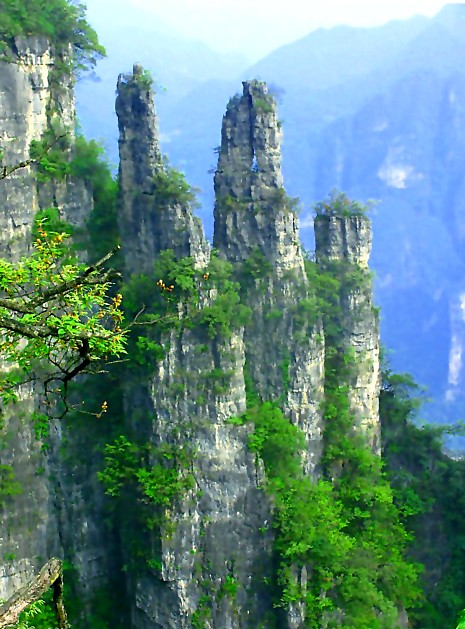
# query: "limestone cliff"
{"points": [[212, 533], [31, 96], [150, 224], [213, 330], [28, 522], [49, 517], [218, 533], [346, 242], [257, 230]]}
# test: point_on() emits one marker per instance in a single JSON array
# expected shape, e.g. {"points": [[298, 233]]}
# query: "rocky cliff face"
{"points": [[150, 223], [203, 555], [50, 516], [257, 230], [346, 242], [28, 522], [31, 96], [24, 96], [212, 533]]}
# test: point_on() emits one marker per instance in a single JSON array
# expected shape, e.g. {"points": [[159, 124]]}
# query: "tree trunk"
{"points": [[51, 575]]}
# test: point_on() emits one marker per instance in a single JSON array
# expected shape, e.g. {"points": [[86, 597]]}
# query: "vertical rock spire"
{"points": [[256, 229], [252, 210], [250, 157], [345, 240], [140, 155], [156, 212], [184, 400]]}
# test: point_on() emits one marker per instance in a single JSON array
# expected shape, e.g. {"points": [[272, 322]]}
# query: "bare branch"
{"points": [[6, 171], [51, 575]]}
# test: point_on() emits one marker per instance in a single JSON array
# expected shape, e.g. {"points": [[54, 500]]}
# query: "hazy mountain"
{"points": [[406, 146], [323, 76]]}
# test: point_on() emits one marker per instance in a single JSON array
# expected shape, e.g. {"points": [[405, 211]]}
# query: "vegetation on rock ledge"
{"points": [[62, 22], [344, 528]]}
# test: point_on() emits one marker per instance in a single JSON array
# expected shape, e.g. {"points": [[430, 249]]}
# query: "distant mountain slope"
{"points": [[370, 61], [406, 147], [328, 57], [313, 80]]}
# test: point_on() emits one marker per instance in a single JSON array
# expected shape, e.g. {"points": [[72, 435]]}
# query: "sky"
{"points": [[251, 27]]}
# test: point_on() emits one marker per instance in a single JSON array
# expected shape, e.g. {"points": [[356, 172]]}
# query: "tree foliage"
{"points": [[428, 485], [340, 205], [345, 528], [39, 615], [62, 22], [347, 532], [57, 318]]}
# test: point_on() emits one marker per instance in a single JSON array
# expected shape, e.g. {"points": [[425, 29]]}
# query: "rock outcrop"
{"points": [[31, 96], [202, 556], [256, 229], [49, 517], [149, 220], [346, 242], [28, 520], [212, 533]]}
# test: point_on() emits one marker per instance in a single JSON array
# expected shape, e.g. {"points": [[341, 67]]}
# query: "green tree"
{"points": [[461, 624], [57, 317], [338, 204], [428, 489], [62, 22]]}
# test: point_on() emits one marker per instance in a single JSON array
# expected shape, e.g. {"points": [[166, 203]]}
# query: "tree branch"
{"points": [[6, 171], [51, 575], [28, 331], [41, 298], [15, 306], [82, 279]]}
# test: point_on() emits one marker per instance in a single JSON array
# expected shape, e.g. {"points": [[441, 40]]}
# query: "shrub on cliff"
{"points": [[62, 22]]}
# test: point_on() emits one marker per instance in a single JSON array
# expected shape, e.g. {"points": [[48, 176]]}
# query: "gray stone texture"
{"points": [[253, 216], [146, 225], [54, 514], [216, 526], [348, 239], [222, 527]]}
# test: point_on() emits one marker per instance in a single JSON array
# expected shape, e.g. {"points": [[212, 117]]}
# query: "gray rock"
{"points": [[52, 516], [222, 527], [253, 218], [347, 239], [148, 225]]}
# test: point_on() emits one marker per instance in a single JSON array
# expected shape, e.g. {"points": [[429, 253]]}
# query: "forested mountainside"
{"points": [[376, 113], [250, 462]]}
